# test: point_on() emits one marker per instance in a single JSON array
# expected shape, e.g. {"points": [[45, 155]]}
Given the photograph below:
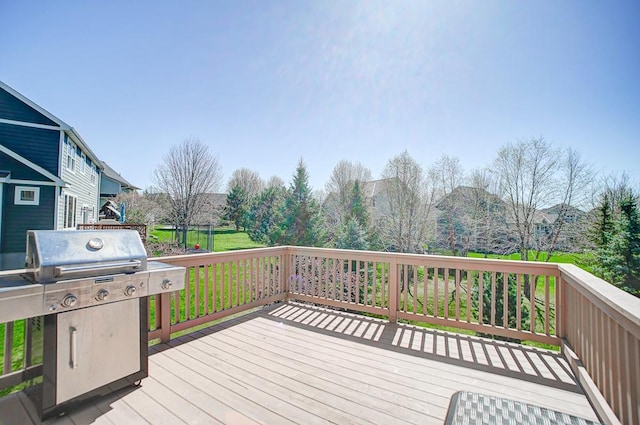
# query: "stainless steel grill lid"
{"points": [[54, 255]]}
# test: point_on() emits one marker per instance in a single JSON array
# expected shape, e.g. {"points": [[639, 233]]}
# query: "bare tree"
{"points": [[533, 175], [247, 180], [189, 170], [575, 176], [274, 182], [446, 175], [526, 172], [409, 199], [338, 189], [484, 215], [141, 208]]}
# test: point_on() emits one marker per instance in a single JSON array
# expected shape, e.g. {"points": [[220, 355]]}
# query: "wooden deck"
{"points": [[296, 364]]}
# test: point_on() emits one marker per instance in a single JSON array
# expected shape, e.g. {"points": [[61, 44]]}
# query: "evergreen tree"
{"points": [[264, 215], [353, 236], [236, 205], [627, 244], [358, 210], [616, 234], [301, 219]]}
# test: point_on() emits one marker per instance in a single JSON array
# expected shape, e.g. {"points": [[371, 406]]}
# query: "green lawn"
{"points": [[224, 239]]}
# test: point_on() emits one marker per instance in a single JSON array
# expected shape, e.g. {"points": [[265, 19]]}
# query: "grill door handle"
{"points": [[61, 270], [73, 361]]}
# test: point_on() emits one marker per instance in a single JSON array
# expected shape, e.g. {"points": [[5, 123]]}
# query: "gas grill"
{"points": [[89, 288]]}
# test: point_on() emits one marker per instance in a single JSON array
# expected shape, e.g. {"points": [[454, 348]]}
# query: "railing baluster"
{"points": [[457, 276], [414, 277], [365, 282], [469, 273], [436, 296], [481, 275], [493, 299], [519, 302], [505, 300], [445, 276], [546, 306], [384, 286], [425, 286], [8, 348], [28, 342], [205, 295], [405, 288], [532, 302], [196, 287], [374, 283]]}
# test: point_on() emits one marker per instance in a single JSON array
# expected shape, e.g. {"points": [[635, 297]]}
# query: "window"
{"points": [[71, 157], [83, 164], [70, 211], [94, 175], [26, 195]]}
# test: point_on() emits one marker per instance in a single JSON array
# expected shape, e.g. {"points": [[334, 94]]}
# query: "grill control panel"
{"points": [[79, 293]]}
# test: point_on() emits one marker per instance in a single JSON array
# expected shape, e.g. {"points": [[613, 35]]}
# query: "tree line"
{"points": [[534, 199]]}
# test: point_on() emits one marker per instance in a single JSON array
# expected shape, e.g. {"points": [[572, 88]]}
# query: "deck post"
{"points": [[286, 263], [394, 277], [164, 309]]}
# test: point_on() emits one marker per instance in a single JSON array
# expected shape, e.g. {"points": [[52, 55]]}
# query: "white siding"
{"points": [[79, 185]]}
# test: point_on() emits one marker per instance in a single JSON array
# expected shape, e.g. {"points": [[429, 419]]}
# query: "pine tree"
{"points": [[264, 215], [301, 220], [359, 210], [353, 236], [616, 234], [236, 205]]}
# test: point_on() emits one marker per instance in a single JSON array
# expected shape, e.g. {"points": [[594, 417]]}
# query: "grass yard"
{"points": [[224, 239]]}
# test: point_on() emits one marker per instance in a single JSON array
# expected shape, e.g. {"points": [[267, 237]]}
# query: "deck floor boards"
{"points": [[298, 364]]}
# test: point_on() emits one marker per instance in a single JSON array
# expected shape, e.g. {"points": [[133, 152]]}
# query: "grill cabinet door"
{"points": [[96, 346]]}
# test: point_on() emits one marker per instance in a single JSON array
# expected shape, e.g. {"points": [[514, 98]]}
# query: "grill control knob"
{"points": [[130, 291], [69, 300], [166, 284], [102, 295]]}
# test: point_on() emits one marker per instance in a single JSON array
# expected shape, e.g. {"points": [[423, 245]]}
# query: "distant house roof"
{"points": [[372, 188], [114, 175]]}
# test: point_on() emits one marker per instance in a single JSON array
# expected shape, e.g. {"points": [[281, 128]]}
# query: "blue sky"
{"points": [[264, 83]]}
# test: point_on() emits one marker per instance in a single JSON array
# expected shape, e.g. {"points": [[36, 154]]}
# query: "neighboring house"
{"points": [[471, 219], [49, 177], [375, 192], [112, 184]]}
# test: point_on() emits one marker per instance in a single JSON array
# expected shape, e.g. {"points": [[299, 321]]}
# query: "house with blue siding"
{"points": [[49, 177]]}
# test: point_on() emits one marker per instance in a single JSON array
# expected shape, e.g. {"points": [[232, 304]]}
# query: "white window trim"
{"points": [[18, 198], [83, 167], [70, 163], [66, 211]]}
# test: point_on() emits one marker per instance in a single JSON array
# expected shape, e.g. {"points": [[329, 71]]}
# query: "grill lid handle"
{"points": [[61, 271]]}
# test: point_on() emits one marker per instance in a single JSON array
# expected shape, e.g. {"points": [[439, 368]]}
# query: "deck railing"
{"points": [[140, 228], [597, 325], [601, 339]]}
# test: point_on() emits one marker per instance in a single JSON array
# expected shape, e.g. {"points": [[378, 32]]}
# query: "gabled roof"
{"points": [[57, 180], [115, 176], [70, 131]]}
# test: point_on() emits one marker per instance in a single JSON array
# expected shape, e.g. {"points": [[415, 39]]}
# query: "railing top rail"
{"points": [[212, 257], [604, 295], [529, 267]]}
